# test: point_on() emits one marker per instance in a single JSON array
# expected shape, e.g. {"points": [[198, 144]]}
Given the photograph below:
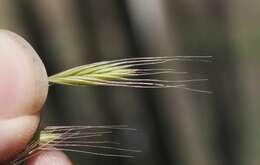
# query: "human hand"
{"points": [[23, 90]]}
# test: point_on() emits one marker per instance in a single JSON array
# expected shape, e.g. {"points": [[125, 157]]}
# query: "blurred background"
{"points": [[174, 127]]}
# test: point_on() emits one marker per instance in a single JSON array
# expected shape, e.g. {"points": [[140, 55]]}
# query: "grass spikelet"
{"points": [[77, 139], [130, 72]]}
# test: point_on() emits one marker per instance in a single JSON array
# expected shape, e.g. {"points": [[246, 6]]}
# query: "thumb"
{"points": [[23, 90]]}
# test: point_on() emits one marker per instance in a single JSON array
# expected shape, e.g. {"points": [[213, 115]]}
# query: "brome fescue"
{"points": [[76, 139], [131, 72]]}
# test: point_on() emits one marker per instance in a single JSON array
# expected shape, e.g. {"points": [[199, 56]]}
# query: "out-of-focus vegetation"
{"points": [[175, 127]]}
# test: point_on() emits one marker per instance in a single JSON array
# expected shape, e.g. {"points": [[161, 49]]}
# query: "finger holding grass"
{"points": [[23, 90], [24, 86]]}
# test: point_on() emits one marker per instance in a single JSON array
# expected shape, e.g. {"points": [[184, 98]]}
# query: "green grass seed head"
{"points": [[79, 139], [130, 72]]}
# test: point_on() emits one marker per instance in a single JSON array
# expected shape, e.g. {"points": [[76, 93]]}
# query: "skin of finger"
{"points": [[15, 135], [24, 81], [23, 90], [50, 158]]}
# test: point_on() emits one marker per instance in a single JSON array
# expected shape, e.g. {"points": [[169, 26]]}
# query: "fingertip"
{"points": [[24, 81], [50, 158]]}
